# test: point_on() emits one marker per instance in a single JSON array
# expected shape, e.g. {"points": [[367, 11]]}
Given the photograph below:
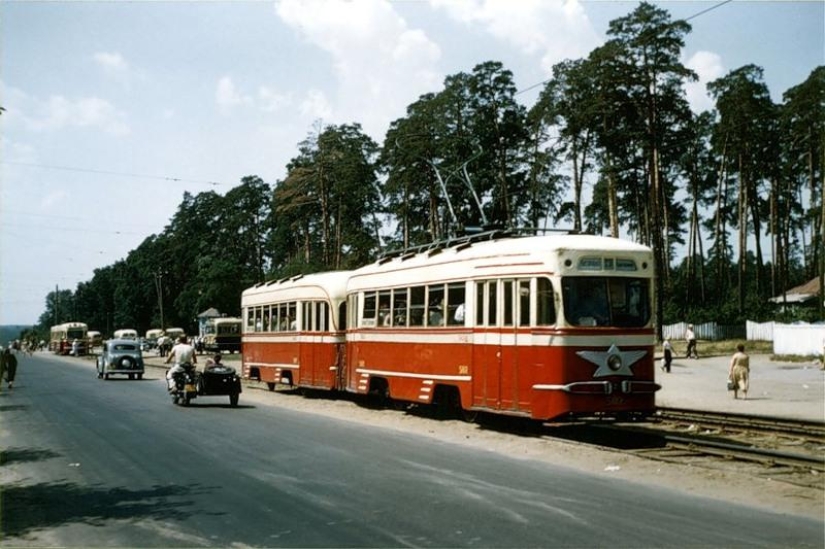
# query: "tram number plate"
{"points": [[615, 400]]}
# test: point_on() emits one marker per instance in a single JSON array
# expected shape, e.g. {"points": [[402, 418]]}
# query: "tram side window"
{"points": [[292, 316], [264, 319], [480, 291], [456, 297], [546, 303], [399, 307], [259, 319], [322, 316], [417, 305], [370, 309], [307, 321], [492, 303], [342, 315], [435, 310], [273, 318], [487, 300], [509, 302], [250, 319], [524, 302], [384, 312]]}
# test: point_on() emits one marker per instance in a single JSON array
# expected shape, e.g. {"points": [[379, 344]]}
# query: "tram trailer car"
{"points": [[294, 332], [546, 327]]}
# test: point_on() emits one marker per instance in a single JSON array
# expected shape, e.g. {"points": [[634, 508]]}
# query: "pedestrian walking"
{"points": [[690, 337], [739, 372], [8, 367], [667, 351]]}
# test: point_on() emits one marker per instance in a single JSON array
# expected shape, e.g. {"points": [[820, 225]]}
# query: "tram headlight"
{"points": [[614, 362]]}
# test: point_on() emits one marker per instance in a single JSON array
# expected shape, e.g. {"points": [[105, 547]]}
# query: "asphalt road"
{"points": [[92, 463]]}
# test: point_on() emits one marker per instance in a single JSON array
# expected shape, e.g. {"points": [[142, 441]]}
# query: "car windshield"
{"points": [[124, 347]]}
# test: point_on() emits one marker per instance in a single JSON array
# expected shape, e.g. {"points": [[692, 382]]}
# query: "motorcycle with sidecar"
{"points": [[216, 380]]}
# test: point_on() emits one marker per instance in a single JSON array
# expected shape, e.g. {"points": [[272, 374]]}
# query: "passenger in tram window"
{"points": [[436, 317], [400, 317], [384, 315], [458, 315]]}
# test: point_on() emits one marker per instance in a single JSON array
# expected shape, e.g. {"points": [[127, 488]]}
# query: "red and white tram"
{"points": [[542, 326], [294, 331]]}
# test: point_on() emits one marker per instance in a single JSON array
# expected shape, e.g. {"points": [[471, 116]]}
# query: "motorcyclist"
{"points": [[182, 353]]}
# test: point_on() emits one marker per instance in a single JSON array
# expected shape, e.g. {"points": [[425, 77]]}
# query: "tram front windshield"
{"points": [[606, 301], [75, 333]]}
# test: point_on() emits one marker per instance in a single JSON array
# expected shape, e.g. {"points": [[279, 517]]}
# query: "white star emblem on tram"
{"points": [[613, 362]]}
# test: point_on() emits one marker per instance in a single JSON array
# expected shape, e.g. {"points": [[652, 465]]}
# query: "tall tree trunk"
{"points": [[577, 190], [743, 234], [612, 198]]}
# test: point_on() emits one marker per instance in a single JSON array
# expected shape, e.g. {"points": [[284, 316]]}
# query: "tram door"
{"points": [[310, 338], [487, 351], [341, 348], [516, 343]]}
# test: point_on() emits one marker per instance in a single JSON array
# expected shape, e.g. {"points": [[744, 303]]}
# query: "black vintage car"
{"points": [[120, 356]]}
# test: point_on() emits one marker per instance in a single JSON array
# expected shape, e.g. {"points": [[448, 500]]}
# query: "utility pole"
{"points": [[159, 288]]}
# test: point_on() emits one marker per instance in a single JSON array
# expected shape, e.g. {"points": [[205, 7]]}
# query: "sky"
{"points": [[114, 109]]}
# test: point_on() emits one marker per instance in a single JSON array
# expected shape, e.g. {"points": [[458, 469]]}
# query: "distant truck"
{"points": [[63, 337], [152, 337], [174, 334], [95, 339], [222, 334], [126, 333]]}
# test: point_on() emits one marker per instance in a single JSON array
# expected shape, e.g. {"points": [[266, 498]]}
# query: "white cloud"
{"points": [[116, 68], [53, 200], [228, 97], [58, 113], [111, 61], [316, 106], [708, 66], [554, 30], [87, 112], [270, 100], [382, 65]]}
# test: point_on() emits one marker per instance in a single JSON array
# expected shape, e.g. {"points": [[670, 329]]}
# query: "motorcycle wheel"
{"points": [[233, 399], [175, 399], [186, 399]]}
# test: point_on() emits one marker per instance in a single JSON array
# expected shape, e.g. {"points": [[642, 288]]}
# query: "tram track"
{"points": [[783, 450], [813, 430]]}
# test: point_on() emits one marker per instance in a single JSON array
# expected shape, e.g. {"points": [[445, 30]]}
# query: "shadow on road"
{"points": [[15, 455], [28, 508]]}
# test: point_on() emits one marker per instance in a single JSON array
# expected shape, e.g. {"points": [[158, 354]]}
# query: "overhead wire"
{"points": [[694, 16], [107, 172]]}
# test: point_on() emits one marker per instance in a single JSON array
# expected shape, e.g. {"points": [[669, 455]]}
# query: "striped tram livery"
{"points": [[547, 327]]}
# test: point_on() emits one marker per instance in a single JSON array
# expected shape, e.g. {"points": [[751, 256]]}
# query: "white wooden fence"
{"points": [[788, 339]]}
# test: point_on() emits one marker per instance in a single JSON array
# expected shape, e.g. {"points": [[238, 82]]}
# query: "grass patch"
{"points": [[728, 347]]}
